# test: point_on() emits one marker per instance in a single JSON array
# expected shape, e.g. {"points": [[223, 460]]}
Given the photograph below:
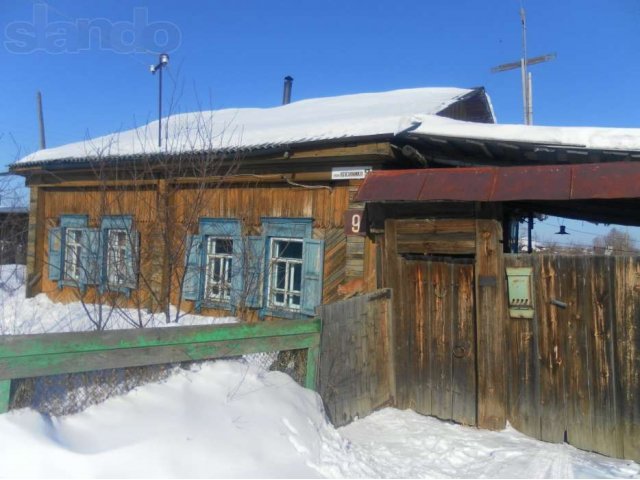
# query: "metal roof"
{"points": [[614, 180]]}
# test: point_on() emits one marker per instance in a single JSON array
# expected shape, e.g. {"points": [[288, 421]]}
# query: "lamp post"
{"points": [[162, 62]]}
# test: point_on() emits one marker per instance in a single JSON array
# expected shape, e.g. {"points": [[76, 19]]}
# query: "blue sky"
{"points": [[235, 54]]}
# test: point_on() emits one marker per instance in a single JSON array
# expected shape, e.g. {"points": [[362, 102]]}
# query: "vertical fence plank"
{"points": [[628, 353], [523, 371], [418, 271], [5, 395], [551, 342], [605, 439], [311, 378], [490, 322], [440, 341], [578, 361], [464, 347]]}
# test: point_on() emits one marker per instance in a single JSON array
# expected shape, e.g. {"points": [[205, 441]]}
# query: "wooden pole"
{"points": [[43, 143]]}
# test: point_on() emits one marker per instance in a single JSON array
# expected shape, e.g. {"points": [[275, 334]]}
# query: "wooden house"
{"points": [[266, 213], [246, 211]]}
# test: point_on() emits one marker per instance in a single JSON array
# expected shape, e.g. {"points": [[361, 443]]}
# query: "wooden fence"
{"points": [[573, 371], [356, 362], [23, 356]]}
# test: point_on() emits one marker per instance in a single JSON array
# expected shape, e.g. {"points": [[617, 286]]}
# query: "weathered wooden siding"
{"points": [[356, 362], [184, 205], [141, 202], [574, 372], [253, 201]]}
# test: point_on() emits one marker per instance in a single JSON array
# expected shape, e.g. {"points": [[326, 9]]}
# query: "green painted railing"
{"points": [[23, 356]]}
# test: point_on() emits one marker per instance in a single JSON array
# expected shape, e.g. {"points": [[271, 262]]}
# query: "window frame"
{"points": [[77, 256], [108, 224], [116, 257], [226, 267], [294, 229], [195, 281], [288, 291], [67, 222]]}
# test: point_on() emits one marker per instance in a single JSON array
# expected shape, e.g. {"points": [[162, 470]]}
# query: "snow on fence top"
{"points": [[390, 114]]}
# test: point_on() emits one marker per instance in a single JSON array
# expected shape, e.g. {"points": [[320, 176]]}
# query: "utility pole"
{"points": [[43, 143], [523, 63], [163, 61]]}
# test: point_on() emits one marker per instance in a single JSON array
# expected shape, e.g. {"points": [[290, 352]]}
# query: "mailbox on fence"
{"points": [[520, 292]]}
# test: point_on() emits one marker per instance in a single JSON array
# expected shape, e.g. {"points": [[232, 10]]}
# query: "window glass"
{"points": [[286, 275], [72, 253], [219, 264], [117, 257]]}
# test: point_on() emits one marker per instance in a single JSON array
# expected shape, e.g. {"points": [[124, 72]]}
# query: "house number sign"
{"points": [[353, 222]]}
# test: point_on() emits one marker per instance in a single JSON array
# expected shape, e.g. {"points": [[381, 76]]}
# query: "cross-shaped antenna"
{"points": [[523, 63]]}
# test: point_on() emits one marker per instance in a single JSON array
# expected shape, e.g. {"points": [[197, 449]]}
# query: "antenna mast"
{"points": [[526, 83], [523, 63]]}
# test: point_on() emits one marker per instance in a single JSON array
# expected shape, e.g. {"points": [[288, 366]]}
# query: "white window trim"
{"points": [[225, 259], [288, 293], [72, 253]]}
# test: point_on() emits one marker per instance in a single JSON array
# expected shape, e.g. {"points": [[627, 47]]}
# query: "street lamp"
{"points": [[163, 61]]}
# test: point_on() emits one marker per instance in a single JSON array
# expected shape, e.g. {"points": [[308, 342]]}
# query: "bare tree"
{"points": [[616, 242]]}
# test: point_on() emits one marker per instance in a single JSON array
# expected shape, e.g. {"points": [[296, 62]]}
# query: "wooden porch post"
{"points": [[490, 320]]}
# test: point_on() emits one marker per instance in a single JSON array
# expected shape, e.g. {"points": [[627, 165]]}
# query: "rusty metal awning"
{"points": [[615, 180]]}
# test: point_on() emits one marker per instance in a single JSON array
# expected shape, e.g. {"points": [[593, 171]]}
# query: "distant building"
{"points": [[13, 234]]}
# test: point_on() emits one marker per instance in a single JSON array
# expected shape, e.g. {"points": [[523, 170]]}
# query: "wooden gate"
{"points": [[437, 372]]}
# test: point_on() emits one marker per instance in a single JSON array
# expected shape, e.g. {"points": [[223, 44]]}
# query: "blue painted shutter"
{"points": [[132, 258], [237, 270], [193, 273], [312, 276], [56, 250], [254, 271], [90, 257]]}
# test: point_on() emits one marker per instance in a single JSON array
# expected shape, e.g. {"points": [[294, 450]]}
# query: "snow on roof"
{"points": [[397, 112], [597, 138], [330, 118]]}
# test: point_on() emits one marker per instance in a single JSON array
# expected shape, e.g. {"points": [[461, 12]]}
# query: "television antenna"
{"points": [[523, 63]]}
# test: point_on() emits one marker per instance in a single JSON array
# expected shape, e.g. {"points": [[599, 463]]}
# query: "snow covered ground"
{"points": [[237, 419], [232, 419], [20, 315]]}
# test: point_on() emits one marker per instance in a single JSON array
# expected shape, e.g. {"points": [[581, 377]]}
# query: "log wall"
{"points": [[183, 206]]}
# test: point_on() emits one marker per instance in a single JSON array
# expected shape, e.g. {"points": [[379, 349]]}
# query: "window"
{"points": [[286, 273], [80, 256], [117, 257], [293, 273], [278, 272], [214, 264], [73, 254], [69, 252], [120, 253], [219, 268]]}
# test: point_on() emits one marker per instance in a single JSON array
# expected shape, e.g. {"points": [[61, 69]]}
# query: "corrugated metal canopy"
{"points": [[615, 180]]}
